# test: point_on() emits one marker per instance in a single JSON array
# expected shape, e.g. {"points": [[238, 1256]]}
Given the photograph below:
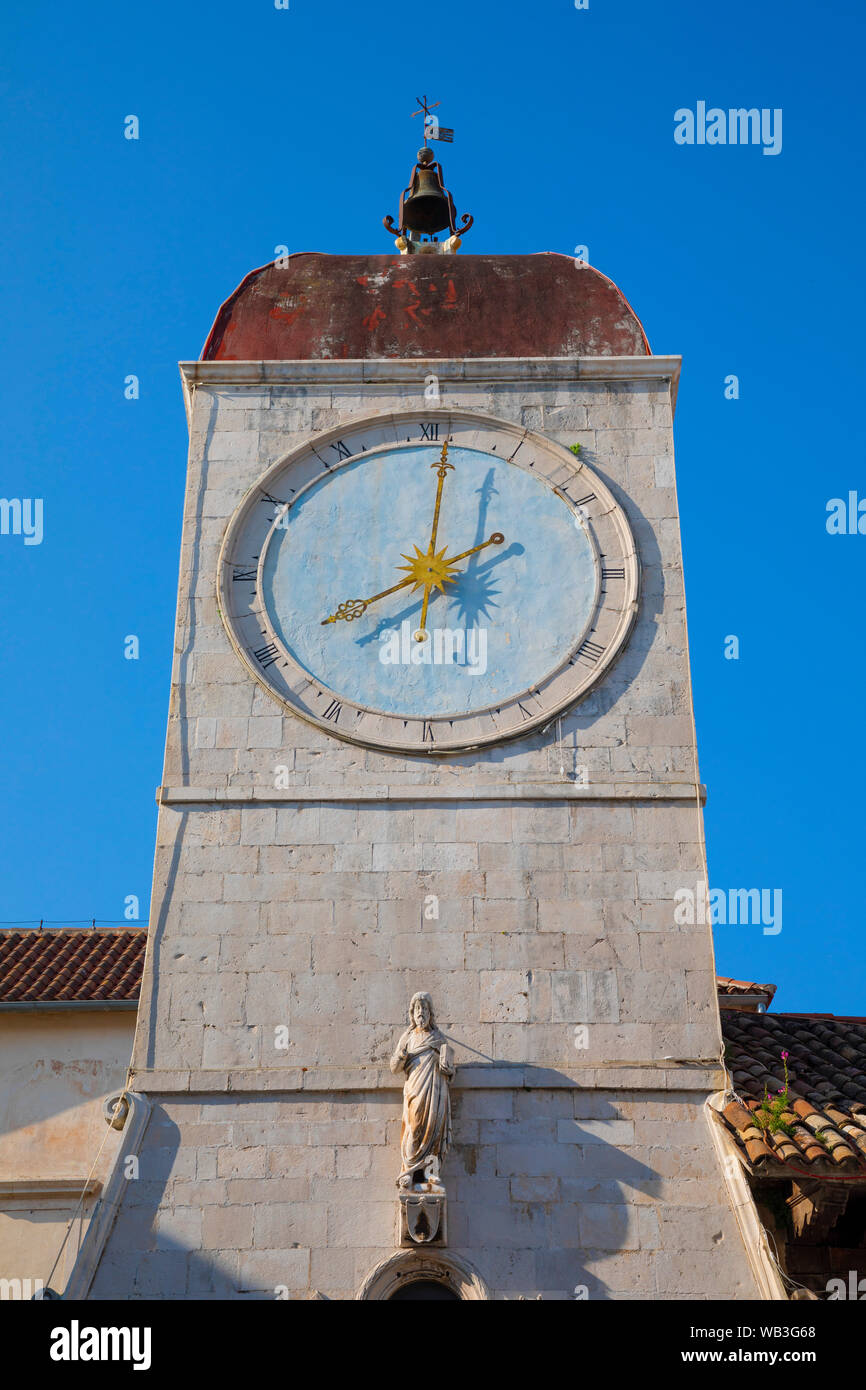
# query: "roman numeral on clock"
{"points": [[273, 501], [427, 736], [333, 712], [241, 576], [430, 432], [613, 574], [590, 651], [584, 501], [342, 450], [529, 713], [266, 656]]}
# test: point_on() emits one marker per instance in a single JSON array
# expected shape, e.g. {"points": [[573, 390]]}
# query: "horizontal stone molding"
{"points": [[352, 371], [40, 1189], [505, 791], [699, 1075]]}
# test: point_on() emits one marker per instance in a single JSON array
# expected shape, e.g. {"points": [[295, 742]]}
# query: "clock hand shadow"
{"points": [[472, 591]]}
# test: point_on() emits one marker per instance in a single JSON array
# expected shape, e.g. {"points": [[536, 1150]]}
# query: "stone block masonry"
{"points": [[268, 935], [562, 1192], [305, 888]]}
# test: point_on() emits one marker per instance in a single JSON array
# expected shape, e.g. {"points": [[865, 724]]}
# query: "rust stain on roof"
{"points": [[316, 306]]}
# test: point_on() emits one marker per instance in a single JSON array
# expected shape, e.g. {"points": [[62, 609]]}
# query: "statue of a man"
{"points": [[425, 1137]]}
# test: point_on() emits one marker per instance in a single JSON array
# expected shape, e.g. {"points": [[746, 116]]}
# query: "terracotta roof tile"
{"points": [[725, 985], [71, 965], [825, 1123]]}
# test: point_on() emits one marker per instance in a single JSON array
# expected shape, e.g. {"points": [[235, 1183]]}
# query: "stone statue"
{"points": [[425, 1137]]}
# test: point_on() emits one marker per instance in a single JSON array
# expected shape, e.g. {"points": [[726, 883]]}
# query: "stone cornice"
{"points": [[442, 792], [382, 370], [667, 1074], [48, 1189]]}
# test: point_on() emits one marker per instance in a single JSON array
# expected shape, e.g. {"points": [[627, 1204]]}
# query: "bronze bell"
{"points": [[426, 204]]}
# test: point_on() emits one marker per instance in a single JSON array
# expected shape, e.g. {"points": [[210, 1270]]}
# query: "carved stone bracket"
{"points": [[422, 1219], [115, 1109]]}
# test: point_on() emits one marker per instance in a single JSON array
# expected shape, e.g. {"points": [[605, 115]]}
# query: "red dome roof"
{"points": [[319, 306]]}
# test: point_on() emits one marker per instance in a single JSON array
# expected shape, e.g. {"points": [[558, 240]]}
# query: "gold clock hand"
{"points": [[354, 607], [443, 466], [496, 539], [420, 633]]}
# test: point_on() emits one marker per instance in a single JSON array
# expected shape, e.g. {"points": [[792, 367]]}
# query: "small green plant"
{"points": [[769, 1116], [575, 449]]}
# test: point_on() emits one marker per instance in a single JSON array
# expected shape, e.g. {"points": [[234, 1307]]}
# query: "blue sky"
{"points": [[262, 127]]}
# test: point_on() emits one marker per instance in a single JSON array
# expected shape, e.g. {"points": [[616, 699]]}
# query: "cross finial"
{"points": [[432, 128], [425, 109]]}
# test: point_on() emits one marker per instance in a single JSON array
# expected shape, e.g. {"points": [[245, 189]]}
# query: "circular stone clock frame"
{"points": [[265, 655]]}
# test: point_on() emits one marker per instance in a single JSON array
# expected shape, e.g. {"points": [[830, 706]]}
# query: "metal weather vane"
{"points": [[432, 129]]}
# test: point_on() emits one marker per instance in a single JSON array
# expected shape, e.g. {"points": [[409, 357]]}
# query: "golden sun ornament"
{"points": [[429, 571], [426, 570]]}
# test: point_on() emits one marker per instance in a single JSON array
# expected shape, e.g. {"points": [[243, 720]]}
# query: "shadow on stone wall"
{"points": [[545, 1196], [153, 1250], [541, 1201]]}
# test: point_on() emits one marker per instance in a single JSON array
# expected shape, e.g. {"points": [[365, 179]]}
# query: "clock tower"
{"points": [[430, 739]]}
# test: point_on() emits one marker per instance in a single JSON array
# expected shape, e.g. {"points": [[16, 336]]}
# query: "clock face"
{"points": [[429, 582]]}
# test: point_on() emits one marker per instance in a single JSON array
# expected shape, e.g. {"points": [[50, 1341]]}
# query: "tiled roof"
{"points": [[825, 1121], [72, 965], [725, 985]]}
